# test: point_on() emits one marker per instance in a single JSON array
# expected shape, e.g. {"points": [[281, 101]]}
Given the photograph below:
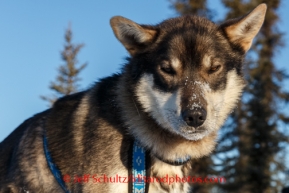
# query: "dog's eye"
{"points": [[166, 68], [214, 68]]}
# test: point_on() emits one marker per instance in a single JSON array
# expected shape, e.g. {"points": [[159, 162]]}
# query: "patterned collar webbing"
{"points": [[138, 168]]}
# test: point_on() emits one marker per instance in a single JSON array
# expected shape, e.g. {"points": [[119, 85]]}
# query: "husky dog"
{"points": [[183, 78]]}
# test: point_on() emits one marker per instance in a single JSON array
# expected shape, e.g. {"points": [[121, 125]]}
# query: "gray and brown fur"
{"points": [[182, 80]]}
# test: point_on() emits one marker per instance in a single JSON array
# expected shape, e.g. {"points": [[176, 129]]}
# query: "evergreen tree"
{"points": [[67, 79], [259, 141]]}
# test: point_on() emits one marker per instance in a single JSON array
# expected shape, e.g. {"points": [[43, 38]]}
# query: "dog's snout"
{"points": [[195, 117]]}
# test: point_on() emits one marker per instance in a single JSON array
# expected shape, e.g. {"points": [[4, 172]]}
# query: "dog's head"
{"points": [[188, 69]]}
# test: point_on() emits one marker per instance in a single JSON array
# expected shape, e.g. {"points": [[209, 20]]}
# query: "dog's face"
{"points": [[188, 69]]}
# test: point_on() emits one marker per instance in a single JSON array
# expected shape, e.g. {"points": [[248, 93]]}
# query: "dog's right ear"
{"points": [[133, 36]]}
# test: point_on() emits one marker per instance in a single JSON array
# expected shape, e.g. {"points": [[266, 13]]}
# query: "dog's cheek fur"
{"points": [[221, 103], [156, 102]]}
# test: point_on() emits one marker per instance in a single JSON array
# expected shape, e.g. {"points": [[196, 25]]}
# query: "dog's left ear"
{"points": [[133, 36], [242, 31]]}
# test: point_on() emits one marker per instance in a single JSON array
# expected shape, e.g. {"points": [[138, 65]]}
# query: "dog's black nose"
{"points": [[195, 117]]}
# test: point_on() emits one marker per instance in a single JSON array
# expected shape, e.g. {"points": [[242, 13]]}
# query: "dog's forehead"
{"points": [[188, 21], [190, 45], [189, 38]]}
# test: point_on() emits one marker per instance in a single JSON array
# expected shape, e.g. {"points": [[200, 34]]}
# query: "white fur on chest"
{"points": [[172, 176], [122, 185], [158, 170]]}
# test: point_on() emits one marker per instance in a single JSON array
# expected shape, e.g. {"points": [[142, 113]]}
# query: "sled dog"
{"points": [[182, 79]]}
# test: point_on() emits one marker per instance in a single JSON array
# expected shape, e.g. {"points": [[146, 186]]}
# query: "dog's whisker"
{"points": [[136, 107]]}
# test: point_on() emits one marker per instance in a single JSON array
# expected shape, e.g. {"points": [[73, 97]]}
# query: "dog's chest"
{"points": [[163, 178], [167, 178]]}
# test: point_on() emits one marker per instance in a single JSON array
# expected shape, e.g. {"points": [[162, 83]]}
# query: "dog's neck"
{"points": [[178, 162], [162, 144]]}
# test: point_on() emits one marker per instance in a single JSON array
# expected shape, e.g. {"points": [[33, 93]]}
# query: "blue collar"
{"points": [[53, 168], [139, 167]]}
